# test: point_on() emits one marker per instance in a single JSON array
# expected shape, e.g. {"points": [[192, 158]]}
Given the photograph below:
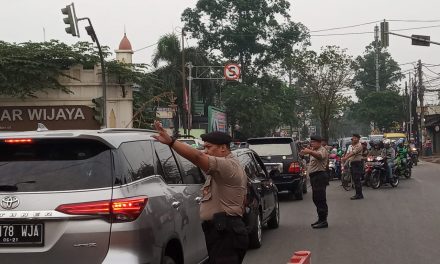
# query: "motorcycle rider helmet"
{"points": [[375, 144], [387, 142]]}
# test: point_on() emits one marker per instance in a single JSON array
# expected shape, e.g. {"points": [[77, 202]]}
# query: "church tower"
{"points": [[124, 53]]}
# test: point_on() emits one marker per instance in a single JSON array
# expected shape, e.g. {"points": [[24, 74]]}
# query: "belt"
{"points": [[232, 217], [316, 173]]}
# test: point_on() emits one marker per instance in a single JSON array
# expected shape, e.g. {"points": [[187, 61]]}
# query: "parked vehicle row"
{"points": [[118, 195]]}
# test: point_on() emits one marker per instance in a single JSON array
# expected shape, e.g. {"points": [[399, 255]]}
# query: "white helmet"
{"points": [[387, 142]]}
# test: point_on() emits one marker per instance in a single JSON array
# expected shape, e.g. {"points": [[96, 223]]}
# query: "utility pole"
{"points": [[405, 105], [190, 79], [415, 116], [183, 80], [376, 41], [422, 108], [409, 107]]}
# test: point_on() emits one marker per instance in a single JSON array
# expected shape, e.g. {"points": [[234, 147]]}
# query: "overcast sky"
{"points": [[147, 20]]}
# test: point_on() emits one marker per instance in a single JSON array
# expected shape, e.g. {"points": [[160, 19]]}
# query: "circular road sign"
{"points": [[232, 72]]}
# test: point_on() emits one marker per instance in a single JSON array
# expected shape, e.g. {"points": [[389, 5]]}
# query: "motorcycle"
{"points": [[334, 167], [414, 154], [404, 170], [379, 174], [368, 170]]}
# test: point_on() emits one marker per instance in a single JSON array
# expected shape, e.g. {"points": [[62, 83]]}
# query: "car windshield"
{"points": [[54, 165]]}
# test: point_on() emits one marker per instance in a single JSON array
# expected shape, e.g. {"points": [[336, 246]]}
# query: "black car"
{"points": [[262, 207], [281, 158]]}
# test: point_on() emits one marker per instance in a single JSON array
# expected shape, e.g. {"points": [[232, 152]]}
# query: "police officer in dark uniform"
{"points": [[318, 178], [224, 191]]}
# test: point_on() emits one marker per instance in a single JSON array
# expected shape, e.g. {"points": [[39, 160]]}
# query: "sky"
{"points": [[146, 20]]}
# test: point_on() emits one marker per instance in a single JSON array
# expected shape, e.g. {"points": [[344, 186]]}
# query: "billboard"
{"points": [[216, 120]]}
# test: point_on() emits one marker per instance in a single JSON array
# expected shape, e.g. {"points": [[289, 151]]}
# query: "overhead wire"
{"points": [[405, 29], [431, 70], [149, 46], [412, 63], [344, 27], [342, 34], [154, 44], [413, 20]]}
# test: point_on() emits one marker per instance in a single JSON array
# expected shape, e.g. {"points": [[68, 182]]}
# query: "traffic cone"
{"points": [[301, 257]]}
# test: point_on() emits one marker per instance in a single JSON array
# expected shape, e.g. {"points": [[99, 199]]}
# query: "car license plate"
{"points": [[270, 168], [21, 235]]}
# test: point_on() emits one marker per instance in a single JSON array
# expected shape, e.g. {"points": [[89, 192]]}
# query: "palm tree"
{"points": [[167, 59]]}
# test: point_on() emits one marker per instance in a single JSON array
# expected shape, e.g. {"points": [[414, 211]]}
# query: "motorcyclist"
{"points": [[402, 153], [364, 149], [389, 154], [375, 150], [338, 152], [364, 156]]}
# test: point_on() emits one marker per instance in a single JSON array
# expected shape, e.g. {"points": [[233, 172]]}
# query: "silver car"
{"points": [[108, 196]]}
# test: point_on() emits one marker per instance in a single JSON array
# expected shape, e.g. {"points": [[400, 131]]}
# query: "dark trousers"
{"points": [[319, 181], [226, 240], [357, 169]]}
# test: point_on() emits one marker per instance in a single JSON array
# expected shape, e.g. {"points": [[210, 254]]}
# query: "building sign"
{"points": [[163, 112], [216, 120], [26, 118]]}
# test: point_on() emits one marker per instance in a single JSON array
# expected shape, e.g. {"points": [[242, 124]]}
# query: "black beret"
{"points": [[315, 138], [356, 135], [217, 138]]}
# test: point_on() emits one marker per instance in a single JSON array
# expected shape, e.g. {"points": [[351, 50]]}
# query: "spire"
{"points": [[125, 43]]}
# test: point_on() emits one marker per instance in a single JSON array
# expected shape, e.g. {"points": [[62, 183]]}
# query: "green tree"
{"points": [[381, 107], [28, 68], [364, 81], [256, 110], [167, 61], [245, 31], [258, 34], [323, 77]]}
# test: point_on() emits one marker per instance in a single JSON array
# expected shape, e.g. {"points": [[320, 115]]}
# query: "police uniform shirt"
{"points": [[357, 151], [225, 188], [319, 164]]}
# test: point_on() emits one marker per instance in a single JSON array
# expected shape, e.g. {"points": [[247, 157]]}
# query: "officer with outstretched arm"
{"points": [[223, 194]]}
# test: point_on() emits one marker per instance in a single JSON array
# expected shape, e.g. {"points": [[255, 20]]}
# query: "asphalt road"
{"points": [[391, 225]]}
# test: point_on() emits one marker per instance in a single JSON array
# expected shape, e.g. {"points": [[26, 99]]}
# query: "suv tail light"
{"points": [[18, 140], [119, 210], [294, 167]]}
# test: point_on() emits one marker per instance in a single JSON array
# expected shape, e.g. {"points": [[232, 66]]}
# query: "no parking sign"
{"points": [[232, 72]]}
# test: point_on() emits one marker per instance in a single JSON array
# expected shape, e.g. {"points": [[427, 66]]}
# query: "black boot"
{"points": [[321, 224], [357, 197], [315, 223]]}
